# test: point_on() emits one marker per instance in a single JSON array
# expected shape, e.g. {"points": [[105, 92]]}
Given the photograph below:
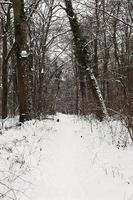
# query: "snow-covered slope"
{"points": [[73, 159]]}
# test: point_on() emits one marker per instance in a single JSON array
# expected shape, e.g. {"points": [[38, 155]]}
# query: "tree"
{"points": [[4, 67], [82, 58], [7, 49], [22, 57]]}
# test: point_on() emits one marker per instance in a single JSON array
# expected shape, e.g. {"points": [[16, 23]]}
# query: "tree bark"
{"points": [[4, 71], [5, 28], [82, 58], [95, 68], [22, 55]]}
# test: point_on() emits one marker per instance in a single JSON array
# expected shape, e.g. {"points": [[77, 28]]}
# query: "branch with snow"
{"points": [[5, 2]]}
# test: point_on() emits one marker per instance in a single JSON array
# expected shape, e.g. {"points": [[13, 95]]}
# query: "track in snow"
{"points": [[67, 170]]}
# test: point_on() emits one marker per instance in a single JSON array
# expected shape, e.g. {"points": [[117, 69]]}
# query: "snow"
{"points": [[104, 109], [24, 54], [5, 2], [73, 159], [42, 71]]}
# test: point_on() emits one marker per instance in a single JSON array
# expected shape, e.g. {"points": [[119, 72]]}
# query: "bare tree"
{"points": [[81, 53], [4, 67], [22, 55]]}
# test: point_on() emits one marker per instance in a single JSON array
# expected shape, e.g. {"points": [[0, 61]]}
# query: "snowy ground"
{"points": [[73, 159]]}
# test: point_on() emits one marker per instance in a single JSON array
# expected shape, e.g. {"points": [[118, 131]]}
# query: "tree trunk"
{"points": [[22, 55], [105, 57], [4, 71], [95, 68], [81, 56]]}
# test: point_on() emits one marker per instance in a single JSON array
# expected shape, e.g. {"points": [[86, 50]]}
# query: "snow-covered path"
{"points": [[64, 171], [72, 159], [75, 165]]}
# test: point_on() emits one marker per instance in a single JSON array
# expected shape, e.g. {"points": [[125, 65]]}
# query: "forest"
{"points": [[73, 57], [66, 99]]}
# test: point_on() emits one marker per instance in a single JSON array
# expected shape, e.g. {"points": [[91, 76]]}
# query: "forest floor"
{"points": [[73, 159]]}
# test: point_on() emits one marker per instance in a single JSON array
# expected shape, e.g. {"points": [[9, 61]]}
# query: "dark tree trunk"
{"points": [[22, 55], [14, 87], [96, 40], [105, 58], [5, 29], [115, 37], [80, 51], [81, 56], [4, 71]]}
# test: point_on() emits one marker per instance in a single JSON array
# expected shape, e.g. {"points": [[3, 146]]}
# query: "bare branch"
{"points": [[113, 16], [5, 2]]}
